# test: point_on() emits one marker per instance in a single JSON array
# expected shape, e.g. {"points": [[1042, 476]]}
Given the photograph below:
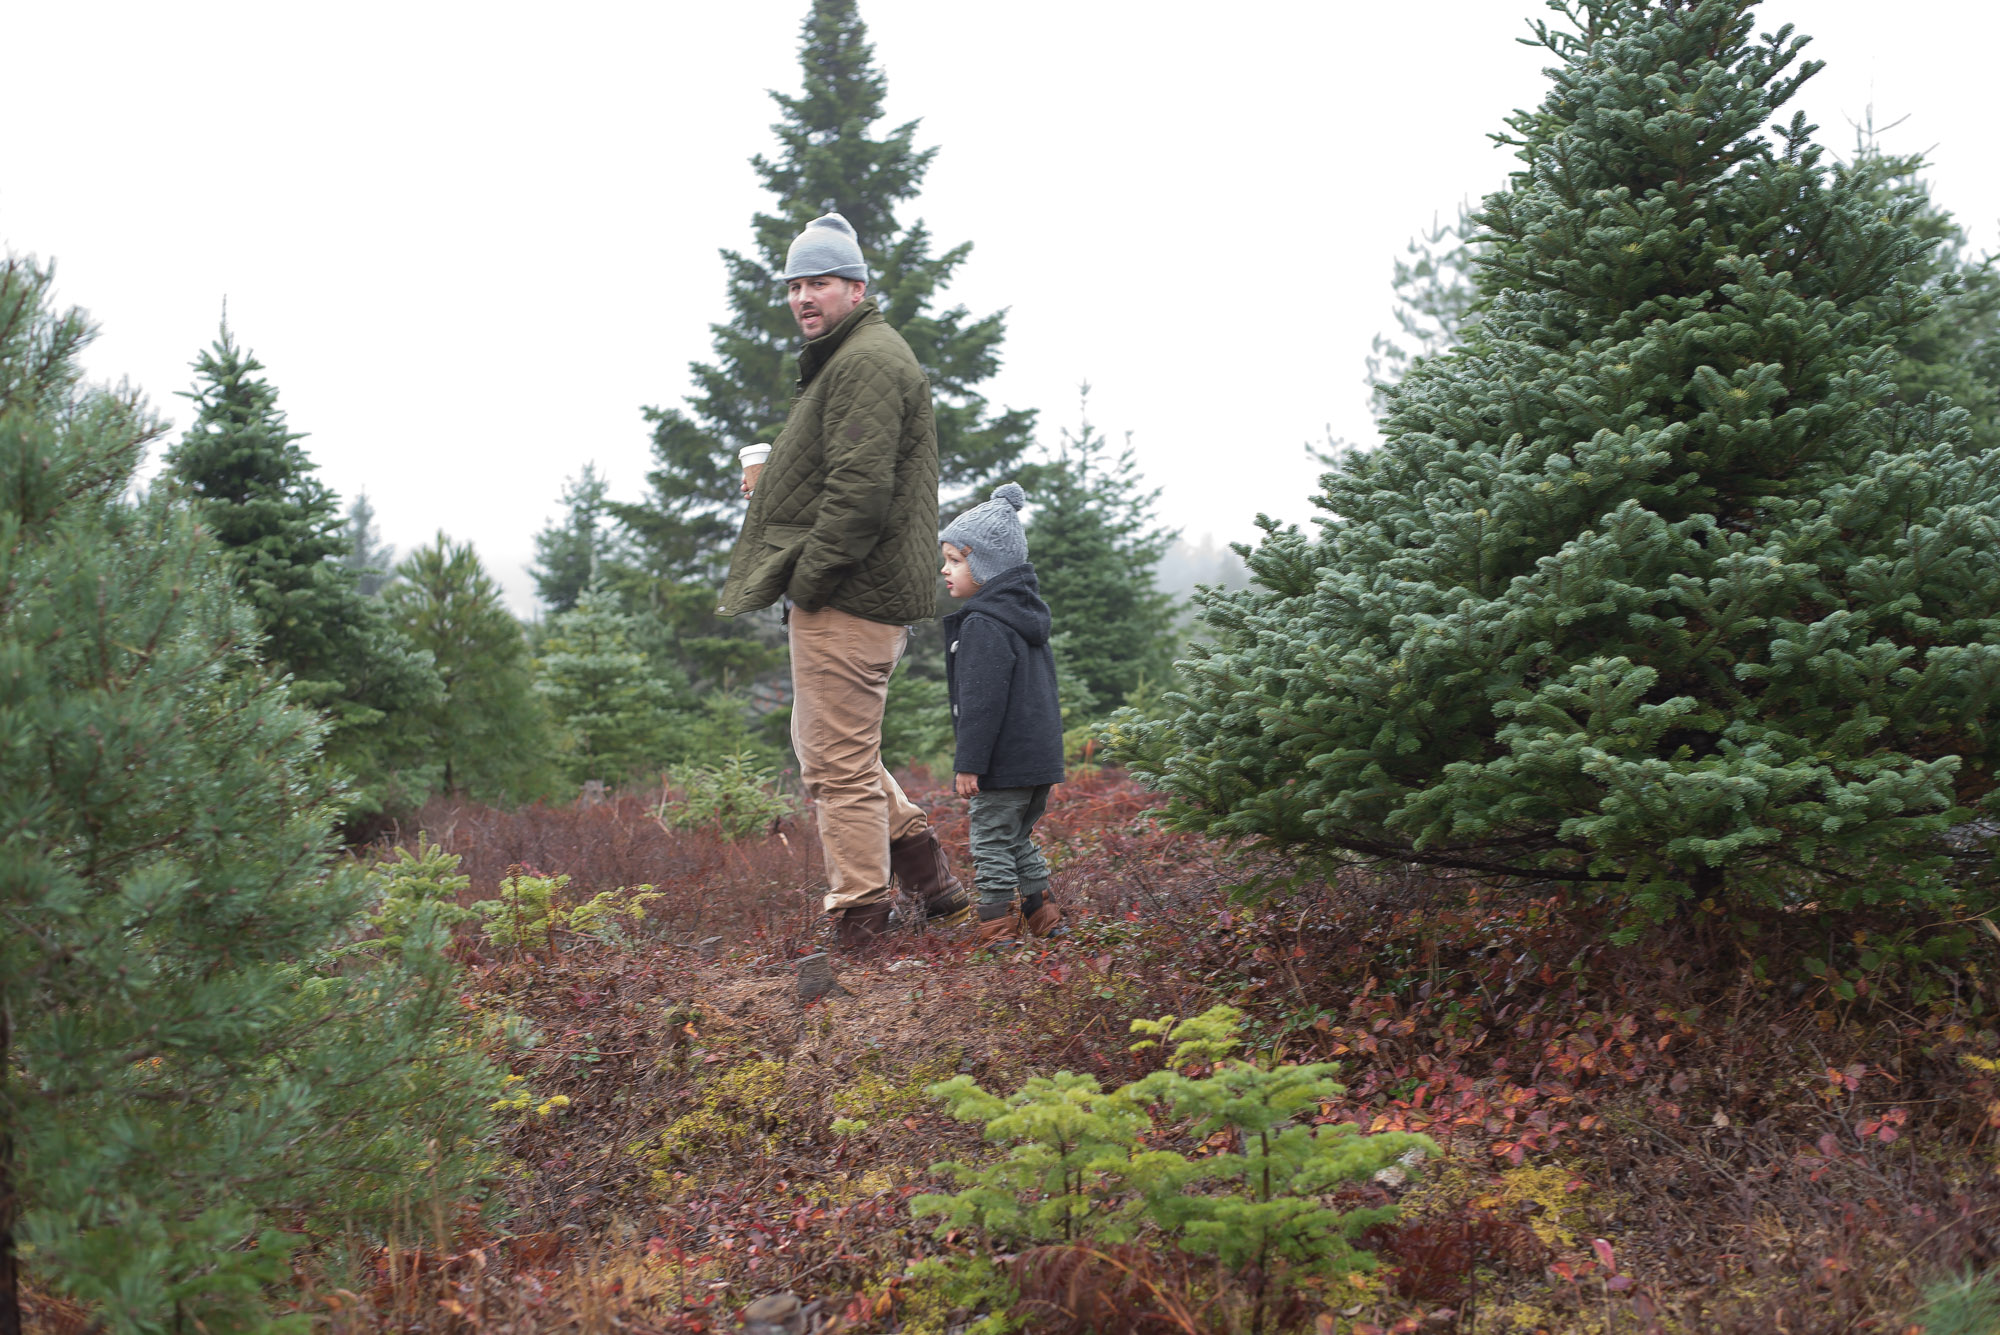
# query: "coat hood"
{"points": [[1014, 599]]}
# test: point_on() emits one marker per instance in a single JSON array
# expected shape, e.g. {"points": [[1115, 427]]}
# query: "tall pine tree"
{"points": [[1658, 585], [1096, 549], [568, 552], [193, 1074], [490, 729], [827, 158], [370, 558], [251, 485]]}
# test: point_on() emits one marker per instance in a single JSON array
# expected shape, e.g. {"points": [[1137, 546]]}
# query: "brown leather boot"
{"points": [[857, 930], [1041, 915], [1003, 927], [919, 863]]}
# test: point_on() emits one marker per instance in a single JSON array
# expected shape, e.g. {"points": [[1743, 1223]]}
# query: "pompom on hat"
{"points": [[827, 246], [991, 533]]}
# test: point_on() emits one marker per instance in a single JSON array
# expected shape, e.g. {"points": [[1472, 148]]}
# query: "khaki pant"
{"points": [[840, 684]]}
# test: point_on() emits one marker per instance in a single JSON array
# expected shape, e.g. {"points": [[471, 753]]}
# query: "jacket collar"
{"points": [[818, 351]]}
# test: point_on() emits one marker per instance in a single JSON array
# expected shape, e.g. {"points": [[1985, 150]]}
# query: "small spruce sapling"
{"points": [[416, 886], [529, 911], [1076, 1165], [734, 796], [1070, 1146], [1259, 1204]]}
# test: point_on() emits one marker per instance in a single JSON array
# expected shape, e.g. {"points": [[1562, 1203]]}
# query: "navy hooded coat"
{"points": [[1002, 676]]}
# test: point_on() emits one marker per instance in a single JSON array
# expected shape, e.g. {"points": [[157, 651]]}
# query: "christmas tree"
{"points": [[568, 552], [367, 555], [619, 711], [1954, 349], [489, 730], [240, 467], [1095, 547], [1657, 585], [1437, 299], [827, 159]]}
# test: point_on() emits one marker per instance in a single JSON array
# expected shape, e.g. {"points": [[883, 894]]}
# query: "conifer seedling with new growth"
{"points": [[1082, 1165], [1656, 585]]}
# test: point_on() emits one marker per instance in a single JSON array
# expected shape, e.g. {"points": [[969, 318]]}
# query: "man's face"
{"points": [[818, 304]]}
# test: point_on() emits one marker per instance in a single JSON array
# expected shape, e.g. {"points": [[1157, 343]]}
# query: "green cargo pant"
{"points": [[1004, 858]]}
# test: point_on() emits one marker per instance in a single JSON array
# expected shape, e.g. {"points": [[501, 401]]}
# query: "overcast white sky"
{"points": [[470, 241]]}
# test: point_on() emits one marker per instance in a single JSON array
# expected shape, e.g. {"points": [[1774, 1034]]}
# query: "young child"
{"points": [[1002, 678]]}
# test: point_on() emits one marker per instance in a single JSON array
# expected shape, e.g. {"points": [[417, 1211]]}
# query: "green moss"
{"points": [[1446, 1182], [742, 1110], [751, 1107], [1524, 1317], [875, 1098], [1552, 1196]]}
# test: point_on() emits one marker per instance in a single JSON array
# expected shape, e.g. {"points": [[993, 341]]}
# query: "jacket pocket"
{"points": [[762, 566], [773, 566]]}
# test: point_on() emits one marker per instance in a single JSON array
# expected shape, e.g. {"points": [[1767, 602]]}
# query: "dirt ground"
{"points": [[1715, 1129]]}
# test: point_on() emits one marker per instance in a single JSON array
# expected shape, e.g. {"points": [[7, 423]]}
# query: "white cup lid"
{"points": [[754, 454]]}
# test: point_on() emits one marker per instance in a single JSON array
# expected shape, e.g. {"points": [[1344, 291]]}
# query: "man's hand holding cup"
{"points": [[752, 457]]}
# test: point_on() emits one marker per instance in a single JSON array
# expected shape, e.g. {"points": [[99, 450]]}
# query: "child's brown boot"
{"points": [[999, 924], [1041, 916]]}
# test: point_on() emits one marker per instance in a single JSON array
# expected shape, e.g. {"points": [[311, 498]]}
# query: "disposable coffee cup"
{"points": [[753, 454]]}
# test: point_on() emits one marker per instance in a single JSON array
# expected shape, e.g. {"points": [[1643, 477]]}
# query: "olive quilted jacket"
{"points": [[846, 509]]}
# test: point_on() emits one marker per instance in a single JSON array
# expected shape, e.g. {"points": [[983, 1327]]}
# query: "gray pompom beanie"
{"points": [[827, 246], [991, 533]]}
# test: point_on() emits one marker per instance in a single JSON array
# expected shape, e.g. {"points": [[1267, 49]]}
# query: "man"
{"points": [[843, 523]]}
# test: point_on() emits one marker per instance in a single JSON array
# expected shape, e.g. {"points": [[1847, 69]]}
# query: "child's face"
{"points": [[958, 580]]}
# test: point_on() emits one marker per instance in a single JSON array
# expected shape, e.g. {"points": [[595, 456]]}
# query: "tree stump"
{"points": [[816, 978]]}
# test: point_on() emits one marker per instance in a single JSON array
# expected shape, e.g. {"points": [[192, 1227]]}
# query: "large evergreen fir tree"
{"points": [[192, 1073], [827, 158], [1096, 547], [1658, 584], [1953, 349], [489, 731], [255, 490]]}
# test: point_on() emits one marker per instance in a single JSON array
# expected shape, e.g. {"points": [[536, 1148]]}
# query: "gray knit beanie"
{"points": [[991, 533], [827, 246]]}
